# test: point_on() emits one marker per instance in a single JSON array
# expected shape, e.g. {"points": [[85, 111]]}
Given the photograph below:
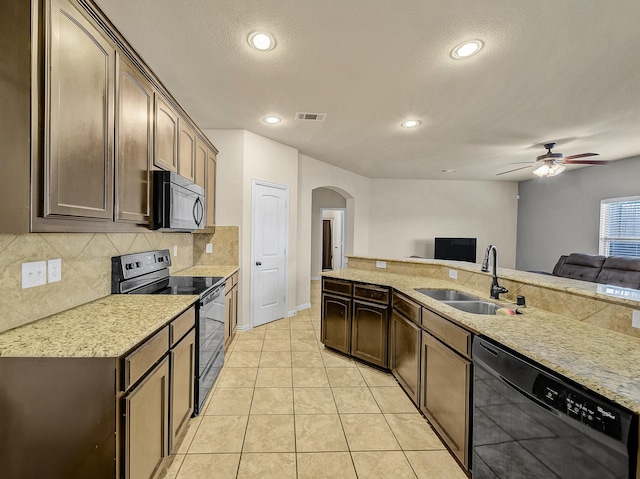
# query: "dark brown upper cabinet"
{"points": [[211, 190], [202, 155], [166, 136], [134, 146]]}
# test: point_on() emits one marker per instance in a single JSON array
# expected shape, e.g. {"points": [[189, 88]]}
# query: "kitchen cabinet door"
{"points": [[186, 150], [211, 190], [79, 116], [446, 393], [369, 329], [405, 354], [202, 156], [234, 311], [134, 148], [336, 322], [182, 385], [146, 409], [165, 152]]}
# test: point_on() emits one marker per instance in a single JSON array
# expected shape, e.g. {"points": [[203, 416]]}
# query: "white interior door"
{"points": [[269, 251]]}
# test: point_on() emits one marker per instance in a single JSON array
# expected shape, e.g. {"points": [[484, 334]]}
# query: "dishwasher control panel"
{"points": [[588, 410]]}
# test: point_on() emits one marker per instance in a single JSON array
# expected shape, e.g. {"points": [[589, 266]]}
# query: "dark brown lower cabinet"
{"points": [[336, 322], [369, 326], [445, 394], [405, 354], [146, 423], [182, 385]]}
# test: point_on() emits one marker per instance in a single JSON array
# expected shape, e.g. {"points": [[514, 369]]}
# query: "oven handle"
{"points": [[215, 294]]}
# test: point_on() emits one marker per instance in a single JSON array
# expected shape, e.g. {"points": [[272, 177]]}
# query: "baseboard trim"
{"points": [[302, 307], [244, 327]]}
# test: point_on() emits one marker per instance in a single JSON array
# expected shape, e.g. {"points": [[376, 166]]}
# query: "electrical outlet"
{"points": [[54, 270], [34, 274], [453, 274], [175, 250], [209, 248], [381, 264], [635, 319]]}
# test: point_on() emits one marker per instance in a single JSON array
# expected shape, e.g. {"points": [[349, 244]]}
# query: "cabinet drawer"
{"points": [[407, 307], [337, 286], [138, 362], [371, 293], [182, 324], [453, 336]]}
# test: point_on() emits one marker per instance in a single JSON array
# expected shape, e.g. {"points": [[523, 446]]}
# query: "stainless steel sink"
{"points": [[475, 307], [447, 295]]}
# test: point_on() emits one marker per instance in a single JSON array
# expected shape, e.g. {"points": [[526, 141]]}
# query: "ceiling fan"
{"points": [[552, 164]]}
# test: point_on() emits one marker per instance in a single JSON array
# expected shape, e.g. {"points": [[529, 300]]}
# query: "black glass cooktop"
{"points": [[180, 285]]}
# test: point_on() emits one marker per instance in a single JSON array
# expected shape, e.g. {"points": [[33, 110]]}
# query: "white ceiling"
{"points": [[551, 70]]}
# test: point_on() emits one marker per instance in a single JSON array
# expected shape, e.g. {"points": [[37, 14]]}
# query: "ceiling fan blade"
{"points": [[585, 162], [521, 168], [582, 155], [521, 163]]}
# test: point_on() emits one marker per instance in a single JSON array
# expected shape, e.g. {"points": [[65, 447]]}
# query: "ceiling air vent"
{"points": [[307, 116]]}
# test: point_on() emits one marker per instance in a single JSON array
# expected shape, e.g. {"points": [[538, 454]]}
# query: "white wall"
{"points": [[406, 215], [314, 174], [321, 198]]}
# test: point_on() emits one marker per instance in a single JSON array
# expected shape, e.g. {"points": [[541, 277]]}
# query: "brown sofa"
{"points": [[615, 270]]}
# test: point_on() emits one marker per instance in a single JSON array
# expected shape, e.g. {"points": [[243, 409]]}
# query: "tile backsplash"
{"points": [[225, 247], [86, 268]]}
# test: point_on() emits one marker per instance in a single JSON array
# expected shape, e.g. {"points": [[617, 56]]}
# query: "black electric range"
{"points": [[148, 273]]}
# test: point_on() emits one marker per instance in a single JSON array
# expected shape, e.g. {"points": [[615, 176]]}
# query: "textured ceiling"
{"points": [[551, 70]]}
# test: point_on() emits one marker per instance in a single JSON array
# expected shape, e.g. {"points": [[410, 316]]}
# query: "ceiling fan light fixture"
{"points": [[262, 41], [549, 170], [467, 49]]}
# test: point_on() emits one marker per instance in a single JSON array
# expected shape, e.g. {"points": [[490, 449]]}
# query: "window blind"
{"points": [[620, 226]]}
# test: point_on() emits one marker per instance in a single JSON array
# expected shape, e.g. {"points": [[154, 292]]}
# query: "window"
{"points": [[620, 226]]}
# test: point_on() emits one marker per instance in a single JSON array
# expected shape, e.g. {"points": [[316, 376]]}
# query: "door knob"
{"points": [[258, 263]]}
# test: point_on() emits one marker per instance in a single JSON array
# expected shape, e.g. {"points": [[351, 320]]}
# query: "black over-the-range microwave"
{"points": [[178, 204]]}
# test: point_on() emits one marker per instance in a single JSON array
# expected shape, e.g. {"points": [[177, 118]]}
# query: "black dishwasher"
{"points": [[530, 423]]}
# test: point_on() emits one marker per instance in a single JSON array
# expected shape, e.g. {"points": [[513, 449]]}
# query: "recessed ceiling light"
{"points": [[410, 123], [261, 41], [466, 49], [272, 120]]}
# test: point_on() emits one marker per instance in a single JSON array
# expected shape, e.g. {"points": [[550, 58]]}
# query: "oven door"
{"points": [[210, 349]]}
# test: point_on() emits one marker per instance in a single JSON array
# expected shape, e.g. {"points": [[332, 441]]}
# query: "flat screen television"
{"points": [[459, 249]]}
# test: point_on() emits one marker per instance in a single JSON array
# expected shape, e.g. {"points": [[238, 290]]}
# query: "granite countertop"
{"points": [[104, 328], [224, 271], [602, 360]]}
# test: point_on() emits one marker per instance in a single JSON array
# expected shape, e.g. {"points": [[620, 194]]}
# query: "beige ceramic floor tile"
{"points": [[303, 334], [187, 439], [393, 400], [413, 432], [304, 345], [275, 359], [435, 465], [243, 359], [307, 359], [270, 433], [310, 378], [267, 466], [384, 464], [272, 401], [336, 360], [255, 333], [345, 378], [274, 378], [219, 434], [229, 402], [314, 401], [205, 466], [355, 400], [319, 432], [301, 317], [368, 432], [301, 325], [277, 334], [375, 377], [334, 465], [276, 345], [237, 378], [248, 345], [278, 324]]}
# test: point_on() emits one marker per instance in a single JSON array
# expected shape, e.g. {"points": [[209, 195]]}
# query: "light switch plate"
{"points": [[635, 319], [54, 270], [453, 274], [381, 264], [209, 248], [34, 274], [175, 250]]}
